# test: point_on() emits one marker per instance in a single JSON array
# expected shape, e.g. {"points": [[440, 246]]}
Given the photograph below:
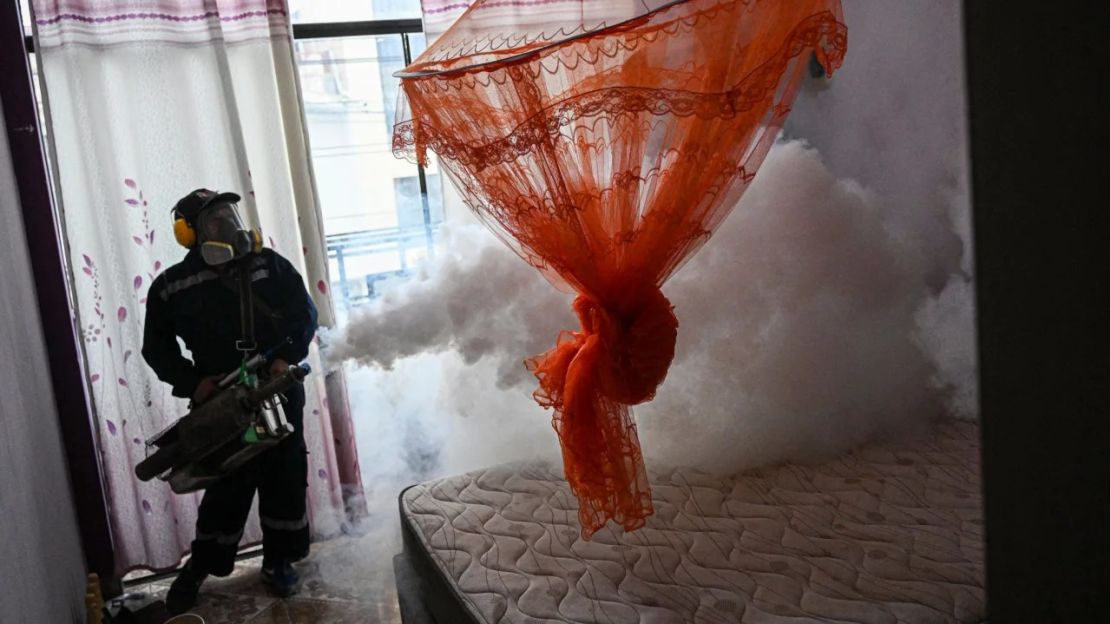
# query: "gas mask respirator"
{"points": [[222, 235]]}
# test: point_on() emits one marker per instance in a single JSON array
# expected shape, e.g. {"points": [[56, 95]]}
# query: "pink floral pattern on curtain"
{"points": [[150, 99]]}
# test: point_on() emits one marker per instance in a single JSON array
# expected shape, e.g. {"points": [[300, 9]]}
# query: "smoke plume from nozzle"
{"points": [[800, 336]]}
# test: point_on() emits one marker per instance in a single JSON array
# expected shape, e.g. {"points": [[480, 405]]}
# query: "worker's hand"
{"points": [[205, 389], [278, 367]]}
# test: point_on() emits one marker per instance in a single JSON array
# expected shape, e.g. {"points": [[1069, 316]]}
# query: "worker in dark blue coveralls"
{"points": [[198, 300]]}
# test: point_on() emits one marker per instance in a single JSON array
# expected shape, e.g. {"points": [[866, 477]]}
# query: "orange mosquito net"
{"points": [[604, 141]]}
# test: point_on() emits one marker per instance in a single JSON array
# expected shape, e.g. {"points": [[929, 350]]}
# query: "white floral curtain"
{"points": [[146, 101]]}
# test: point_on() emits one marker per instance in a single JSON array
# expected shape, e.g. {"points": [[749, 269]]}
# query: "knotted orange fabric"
{"points": [[604, 141]]}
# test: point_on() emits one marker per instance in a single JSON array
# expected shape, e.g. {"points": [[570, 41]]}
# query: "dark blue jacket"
{"points": [[190, 300]]}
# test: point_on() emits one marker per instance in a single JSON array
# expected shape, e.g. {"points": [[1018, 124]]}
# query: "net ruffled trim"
{"points": [[412, 137], [447, 50]]}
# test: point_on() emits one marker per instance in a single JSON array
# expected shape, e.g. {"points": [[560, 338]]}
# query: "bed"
{"points": [[888, 534]]}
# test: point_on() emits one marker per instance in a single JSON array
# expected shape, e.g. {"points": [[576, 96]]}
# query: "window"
{"points": [[381, 214], [412, 209]]}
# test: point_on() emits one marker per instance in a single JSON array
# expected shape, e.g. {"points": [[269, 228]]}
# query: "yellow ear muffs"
{"points": [[184, 233], [256, 241]]}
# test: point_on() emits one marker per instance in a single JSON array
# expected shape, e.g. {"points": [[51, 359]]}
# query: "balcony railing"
{"points": [[386, 243]]}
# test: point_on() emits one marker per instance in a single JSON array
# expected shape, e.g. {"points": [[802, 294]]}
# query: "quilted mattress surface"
{"points": [[891, 533]]}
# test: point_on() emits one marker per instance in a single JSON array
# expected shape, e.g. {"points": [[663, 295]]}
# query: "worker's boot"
{"points": [[280, 577], [183, 593]]}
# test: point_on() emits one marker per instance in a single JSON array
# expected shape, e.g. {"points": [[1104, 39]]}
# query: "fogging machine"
{"points": [[234, 426]]}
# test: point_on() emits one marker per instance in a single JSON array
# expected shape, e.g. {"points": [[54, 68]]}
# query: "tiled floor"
{"points": [[346, 580]]}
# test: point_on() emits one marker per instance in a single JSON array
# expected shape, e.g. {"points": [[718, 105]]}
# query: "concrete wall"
{"points": [[42, 570]]}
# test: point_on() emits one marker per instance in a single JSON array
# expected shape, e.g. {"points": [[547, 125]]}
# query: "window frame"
{"points": [[358, 28], [326, 30]]}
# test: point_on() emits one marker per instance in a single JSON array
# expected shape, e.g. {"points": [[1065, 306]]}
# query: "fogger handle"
{"points": [[252, 364], [295, 374]]}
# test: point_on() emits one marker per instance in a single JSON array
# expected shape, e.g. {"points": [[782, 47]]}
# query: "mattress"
{"points": [[891, 533]]}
